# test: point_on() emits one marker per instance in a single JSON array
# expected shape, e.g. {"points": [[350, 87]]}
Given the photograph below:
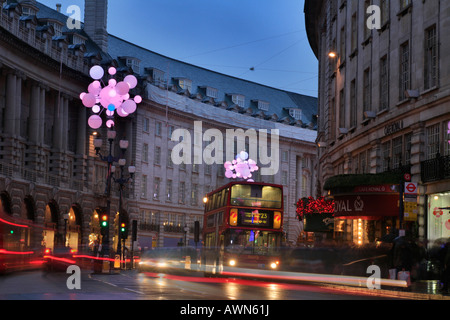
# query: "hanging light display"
{"points": [[113, 98], [240, 167], [314, 206]]}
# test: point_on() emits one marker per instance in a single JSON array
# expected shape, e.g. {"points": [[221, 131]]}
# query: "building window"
{"points": [[284, 178], [295, 113], [386, 154], [57, 28], [304, 186], [185, 84], [342, 45], [156, 188], [408, 148], [144, 187], [384, 84], [384, 6], [447, 139], [238, 99], [285, 155], [194, 195], [158, 128], [182, 192], [157, 158], [404, 70], [353, 104], [169, 190], [169, 159], [158, 77], [146, 124], [433, 141], [212, 92], [134, 64], [430, 58], [367, 31], [367, 94], [145, 152], [404, 4], [263, 105], [171, 130], [354, 40], [332, 116], [397, 148], [341, 109]]}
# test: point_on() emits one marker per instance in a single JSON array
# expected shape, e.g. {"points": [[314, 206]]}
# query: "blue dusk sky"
{"points": [[228, 36]]}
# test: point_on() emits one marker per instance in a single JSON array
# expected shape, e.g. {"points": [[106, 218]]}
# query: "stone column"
{"points": [[10, 110], [18, 109], [81, 132], [65, 122], [41, 127], [35, 114], [58, 123]]}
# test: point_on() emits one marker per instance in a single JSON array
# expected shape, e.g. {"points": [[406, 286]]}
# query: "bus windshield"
{"points": [[252, 242], [248, 195]]}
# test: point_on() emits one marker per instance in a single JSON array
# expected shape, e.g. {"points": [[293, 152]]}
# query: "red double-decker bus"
{"points": [[16, 251], [243, 227]]}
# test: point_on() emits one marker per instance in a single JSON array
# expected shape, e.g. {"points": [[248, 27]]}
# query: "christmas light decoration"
{"points": [[314, 206], [112, 98], [240, 167]]}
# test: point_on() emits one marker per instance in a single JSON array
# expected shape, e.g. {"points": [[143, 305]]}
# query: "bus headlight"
{"points": [[232, 263], [274, 265]]}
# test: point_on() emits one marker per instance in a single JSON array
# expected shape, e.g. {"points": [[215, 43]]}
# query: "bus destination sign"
{"points": [[255, 218]]}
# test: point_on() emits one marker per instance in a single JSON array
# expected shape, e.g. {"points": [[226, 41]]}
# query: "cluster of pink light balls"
{"points": [[240, 167], [112, 98]]}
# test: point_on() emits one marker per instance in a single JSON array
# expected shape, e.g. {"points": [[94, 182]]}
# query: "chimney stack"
{"points": [[58, 7], [95, 22]]}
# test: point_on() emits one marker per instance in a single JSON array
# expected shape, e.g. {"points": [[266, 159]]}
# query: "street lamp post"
{"points": [[109, 159], [122, 181]]}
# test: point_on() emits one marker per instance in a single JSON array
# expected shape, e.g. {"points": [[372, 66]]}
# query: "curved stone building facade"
{"points": [[50, 173], [384, 109]]}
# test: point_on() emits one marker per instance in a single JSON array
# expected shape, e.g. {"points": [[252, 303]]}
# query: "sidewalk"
{"points": [[419, 290]]}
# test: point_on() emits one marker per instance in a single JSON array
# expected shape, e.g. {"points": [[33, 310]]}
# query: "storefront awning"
{"points": [[366, 206]]}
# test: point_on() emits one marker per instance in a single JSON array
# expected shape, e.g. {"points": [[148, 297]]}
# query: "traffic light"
{"points": [[104, 224], [123, 230]]}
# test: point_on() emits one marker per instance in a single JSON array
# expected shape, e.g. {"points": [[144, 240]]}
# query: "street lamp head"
{"points": [[132, 169], [111, 134], [124, 144], [113, 169], [98, 144], [122, 162], [332, 54]]}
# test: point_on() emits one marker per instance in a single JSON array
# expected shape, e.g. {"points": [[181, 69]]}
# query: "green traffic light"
{"points": [[104, 224]]}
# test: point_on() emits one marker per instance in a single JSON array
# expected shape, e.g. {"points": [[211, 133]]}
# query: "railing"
{"points": [[148, 227], [435, 169], [23, 32]]}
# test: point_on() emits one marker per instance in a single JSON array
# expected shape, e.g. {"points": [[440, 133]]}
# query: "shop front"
{"points": [[367, 214], [438, 216]]}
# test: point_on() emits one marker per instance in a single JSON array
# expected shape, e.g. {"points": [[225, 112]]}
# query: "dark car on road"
{"points": [[59, 259]]}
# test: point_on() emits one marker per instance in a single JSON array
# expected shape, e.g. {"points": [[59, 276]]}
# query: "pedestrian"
{"points": [[403, 255]]}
